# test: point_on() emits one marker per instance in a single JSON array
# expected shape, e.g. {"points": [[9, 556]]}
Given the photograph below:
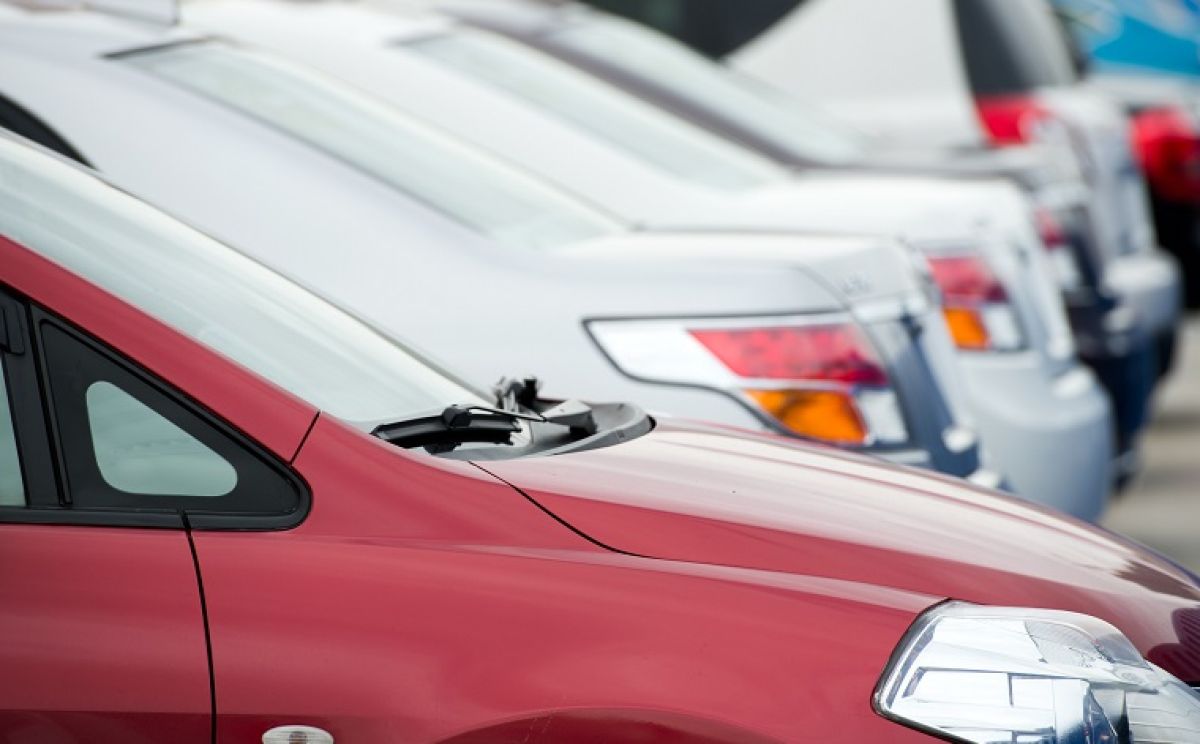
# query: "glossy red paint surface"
{"points": [[692, 493], [436, 604], [101, 637]]}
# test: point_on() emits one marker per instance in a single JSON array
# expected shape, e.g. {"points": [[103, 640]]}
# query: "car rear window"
{"points": [[669, 65], [672, 145], [469, 186], [1013, 46]]}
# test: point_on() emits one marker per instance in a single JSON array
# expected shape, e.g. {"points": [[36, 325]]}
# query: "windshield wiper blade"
{"points": [[454, 425], [462, 423]]}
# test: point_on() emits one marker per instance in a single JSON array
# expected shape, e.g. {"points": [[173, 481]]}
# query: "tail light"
{"points": [[834, 353], [1167, 143], [1057, 242], [976, 305], [817, 378], [1013, 120]]}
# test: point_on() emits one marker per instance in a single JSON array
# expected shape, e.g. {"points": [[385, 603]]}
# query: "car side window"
{"points": [[12, 484], [129, 443], [138, 450]]}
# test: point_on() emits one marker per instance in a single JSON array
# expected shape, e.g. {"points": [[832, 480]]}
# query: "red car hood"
{"points": [[708, 495]]}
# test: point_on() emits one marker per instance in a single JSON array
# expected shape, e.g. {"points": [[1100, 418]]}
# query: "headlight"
{"points": [[984, 674]]}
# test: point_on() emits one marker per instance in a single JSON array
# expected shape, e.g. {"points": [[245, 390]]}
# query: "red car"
{"points": [[233, 513]]}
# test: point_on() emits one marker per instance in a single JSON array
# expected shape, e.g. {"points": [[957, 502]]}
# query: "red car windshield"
{"points": [[213, 293]]}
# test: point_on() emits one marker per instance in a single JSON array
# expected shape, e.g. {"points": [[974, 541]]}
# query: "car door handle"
{"points": [[297, 735]]}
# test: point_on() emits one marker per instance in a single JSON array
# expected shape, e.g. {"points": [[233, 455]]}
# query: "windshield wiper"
{"points": [[454, 425], [520, 395], [460, 423]]}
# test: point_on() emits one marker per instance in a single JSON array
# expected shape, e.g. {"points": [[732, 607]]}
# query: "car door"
{"points": [[102, 635]]}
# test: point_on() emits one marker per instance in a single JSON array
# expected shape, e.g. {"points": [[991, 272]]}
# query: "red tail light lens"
{"points": [[820, 352], [967, 279], [1053, 234], [1167, 143], [1012, 120], [975, 304], [818, 377], [835, 388]]}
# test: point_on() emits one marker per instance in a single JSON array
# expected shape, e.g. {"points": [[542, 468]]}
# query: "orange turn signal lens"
{"points": [[967, 328], [828, 415]]}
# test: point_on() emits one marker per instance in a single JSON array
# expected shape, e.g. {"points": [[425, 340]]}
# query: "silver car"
{"points": [[1036, 405]]}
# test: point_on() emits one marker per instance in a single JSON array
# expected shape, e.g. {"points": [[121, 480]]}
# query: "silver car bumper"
{"points": [[1051, 438]]}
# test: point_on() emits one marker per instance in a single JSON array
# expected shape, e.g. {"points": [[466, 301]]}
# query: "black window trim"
{"points": [[39, 469], [43, 467], [17, 119]]}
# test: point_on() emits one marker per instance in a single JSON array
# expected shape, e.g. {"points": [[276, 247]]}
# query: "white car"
{"points": [[834, 339], [1036, 405]]}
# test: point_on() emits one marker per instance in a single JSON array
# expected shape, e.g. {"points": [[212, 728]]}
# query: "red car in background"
{"points": [[231, 512]]}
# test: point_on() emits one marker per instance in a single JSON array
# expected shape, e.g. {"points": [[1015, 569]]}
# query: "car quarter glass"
{"points": [[138, 450], [214, 294], [127, 444], [499, 202]]}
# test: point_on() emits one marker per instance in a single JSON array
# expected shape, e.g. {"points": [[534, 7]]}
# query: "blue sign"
{"points": [[1157, 35]]}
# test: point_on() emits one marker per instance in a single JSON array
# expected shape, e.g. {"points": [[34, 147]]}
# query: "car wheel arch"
{"points": [[610, 726]]}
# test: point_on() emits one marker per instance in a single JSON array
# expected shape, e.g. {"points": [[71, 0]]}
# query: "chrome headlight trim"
{"points": [[980, 675]]}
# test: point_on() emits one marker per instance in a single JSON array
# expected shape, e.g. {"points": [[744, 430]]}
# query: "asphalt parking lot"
{"points": [[1162, 507]]}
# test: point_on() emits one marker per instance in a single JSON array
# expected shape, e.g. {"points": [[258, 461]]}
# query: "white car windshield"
{"points": [[669, 143], [664, 62], [471, 187], [213, 293]]}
